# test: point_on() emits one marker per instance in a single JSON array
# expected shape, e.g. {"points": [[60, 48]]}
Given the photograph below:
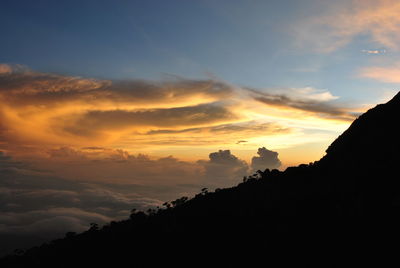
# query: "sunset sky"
{"points": [[110, 105]]}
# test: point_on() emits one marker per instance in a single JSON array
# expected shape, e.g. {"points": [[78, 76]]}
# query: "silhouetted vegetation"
{"points": [[351, 194]]}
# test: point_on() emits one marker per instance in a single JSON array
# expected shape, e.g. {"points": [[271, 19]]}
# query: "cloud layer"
{"points": [[42, 199], [38, 205], [43, 111]]}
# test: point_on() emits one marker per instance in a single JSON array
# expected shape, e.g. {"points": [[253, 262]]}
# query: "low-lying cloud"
{"points": [[38, 205], [42, 199]]}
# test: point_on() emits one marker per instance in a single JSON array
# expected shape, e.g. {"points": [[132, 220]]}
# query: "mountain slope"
{"points": [[350, 192], [372, 140]]}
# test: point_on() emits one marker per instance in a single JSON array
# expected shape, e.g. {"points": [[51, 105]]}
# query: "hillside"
{"points": [[351, 191]]}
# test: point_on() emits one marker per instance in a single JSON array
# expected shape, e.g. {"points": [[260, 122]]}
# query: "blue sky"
{"points": [[247, 43]]}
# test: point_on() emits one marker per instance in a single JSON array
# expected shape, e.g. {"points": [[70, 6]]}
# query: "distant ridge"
{"points": [[348, 199]]}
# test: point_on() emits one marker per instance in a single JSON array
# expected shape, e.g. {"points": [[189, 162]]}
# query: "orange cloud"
{"points": [[41, 111], [55, 109]]}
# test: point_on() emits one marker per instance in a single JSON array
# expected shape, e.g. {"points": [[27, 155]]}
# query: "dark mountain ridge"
{"points": [[352, 193], [372, 139]]}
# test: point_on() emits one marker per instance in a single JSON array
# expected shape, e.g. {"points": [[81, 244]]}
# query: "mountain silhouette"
{"points": [[349, 198], [372, 139]]}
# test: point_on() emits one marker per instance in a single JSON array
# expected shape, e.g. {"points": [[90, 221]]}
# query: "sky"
{"points": [[107, 106]]}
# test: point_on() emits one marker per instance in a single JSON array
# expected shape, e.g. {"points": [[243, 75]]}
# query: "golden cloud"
{"points": [[41, 110], [225, 134]]}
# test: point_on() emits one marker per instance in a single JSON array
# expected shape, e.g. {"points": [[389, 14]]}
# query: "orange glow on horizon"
{"points": [[177, 118]]}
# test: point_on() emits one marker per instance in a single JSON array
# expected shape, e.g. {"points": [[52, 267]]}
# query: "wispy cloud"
{"points": [[389, 74], [374, 51], [308, 100], [379, 19]]}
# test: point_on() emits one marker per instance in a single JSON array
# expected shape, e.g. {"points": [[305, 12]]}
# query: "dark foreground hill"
{"points": [[350, 199]]}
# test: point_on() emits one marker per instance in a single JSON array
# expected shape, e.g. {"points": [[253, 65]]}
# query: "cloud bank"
{"points": [[38, 205], [42, 199]]}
